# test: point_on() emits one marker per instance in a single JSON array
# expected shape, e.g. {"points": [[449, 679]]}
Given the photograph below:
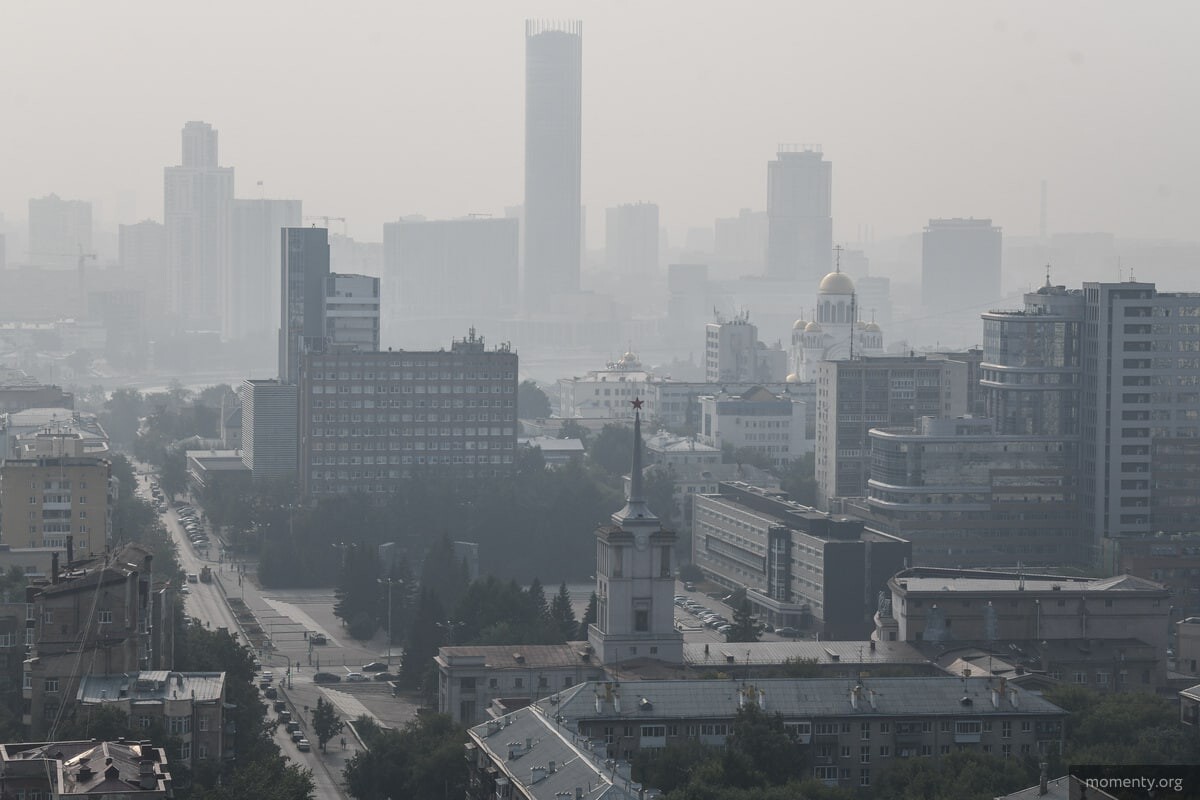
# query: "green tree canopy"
{"points": [[326, 722], [532, 402]]}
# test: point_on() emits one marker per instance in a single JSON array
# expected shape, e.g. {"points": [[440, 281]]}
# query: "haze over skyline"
{"points": [[377, 110]]}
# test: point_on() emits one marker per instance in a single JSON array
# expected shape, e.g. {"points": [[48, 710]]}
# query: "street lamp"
{"points": [[389, 582]]}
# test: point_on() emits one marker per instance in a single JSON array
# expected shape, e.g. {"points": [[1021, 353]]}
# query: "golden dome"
{"points": [[836, 283], [798, 325], [812, 327], [872, 328], [793, 378]]}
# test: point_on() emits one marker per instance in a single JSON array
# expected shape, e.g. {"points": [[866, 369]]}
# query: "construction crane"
{"points": [[327, 220]]}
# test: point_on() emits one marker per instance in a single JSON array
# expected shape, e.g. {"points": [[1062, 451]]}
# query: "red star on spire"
{"points": [[637, 403]]}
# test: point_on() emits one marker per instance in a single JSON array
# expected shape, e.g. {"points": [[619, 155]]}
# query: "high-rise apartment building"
{"points": [[967, 496], [269, 428], [799, 214], [457, 267], [52, 491], [1033, 363], [303, 283], [631, 240], [368, 420], [255, 275], [352, 311], [59, 231], [875, 392], [198, 212], [960, 263], [553, 152], [142, 251]]}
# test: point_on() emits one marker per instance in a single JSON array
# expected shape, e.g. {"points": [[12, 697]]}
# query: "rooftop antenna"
{"points": [[1048, 284]]}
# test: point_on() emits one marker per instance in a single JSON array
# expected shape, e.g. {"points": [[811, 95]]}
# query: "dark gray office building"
{"points": [[305, 272]]}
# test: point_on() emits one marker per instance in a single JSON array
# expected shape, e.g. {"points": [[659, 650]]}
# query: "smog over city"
{"points": [[670, 400]]}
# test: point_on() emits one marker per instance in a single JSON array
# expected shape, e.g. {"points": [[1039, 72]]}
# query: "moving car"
{"points": [[297, 736], [193, 578], [787, 632], [303, 745], [375, 666], [317, 638], [326, 677], [270, 693], [356, 677]]}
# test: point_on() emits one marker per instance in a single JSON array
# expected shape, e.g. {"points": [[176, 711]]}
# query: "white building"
{"points": [[773, 425], [59, 231], [606, 393], [836, 333], [269, 428], [631, 240], [198, 212], [733, 353], [635, 579], [352, 311]]}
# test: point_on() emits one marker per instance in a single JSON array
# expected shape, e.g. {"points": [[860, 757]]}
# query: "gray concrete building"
{"points": [[960, 263], [799, 214], [255, 258], [631, 240], [352, 311], [801, 568], [269, 428], [303, 286]]}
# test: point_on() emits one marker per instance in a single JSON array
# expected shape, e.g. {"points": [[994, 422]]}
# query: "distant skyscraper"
{"points": [[458, 267], [799, 214], [553, 144], [59, 230], [960, 263], [304, 274], [631, 240], [197, 210], [352, 311], [254, 277]]}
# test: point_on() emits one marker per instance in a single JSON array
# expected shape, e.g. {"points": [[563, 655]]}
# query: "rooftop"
{"points": [[796, 698], [90, 768], [929, 579], [520, 656], [154, 685], [759, 654], [577, 771]]}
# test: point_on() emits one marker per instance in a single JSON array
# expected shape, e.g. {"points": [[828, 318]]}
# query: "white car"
{"points": [[356, 677]]}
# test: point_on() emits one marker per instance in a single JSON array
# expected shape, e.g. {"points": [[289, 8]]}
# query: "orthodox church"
{"points": [[836, 333]]}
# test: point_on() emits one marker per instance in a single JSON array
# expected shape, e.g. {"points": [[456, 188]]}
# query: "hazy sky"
{"points": [[371, 110]]}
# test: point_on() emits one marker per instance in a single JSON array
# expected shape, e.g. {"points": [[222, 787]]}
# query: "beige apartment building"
{"points": [[51, 491]]}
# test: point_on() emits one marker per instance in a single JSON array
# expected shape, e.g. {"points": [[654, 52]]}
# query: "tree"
{"points": [[799, 479], [772, 750], [326, 722], [563, 614], [1121, 728], [267, 778], [424, 637], [537, 600], [358, 591], [691, 573], [613, 450], [961, 775], [589, 616], [573, 430], [173, 475], [745, 628], [424, 759], [532, 402]]}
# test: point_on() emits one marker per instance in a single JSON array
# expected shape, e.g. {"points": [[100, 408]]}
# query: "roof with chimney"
{"points": [[548, 761], [152, 686], [88, 768], [933, 579], [805, 698], [86, 573]]}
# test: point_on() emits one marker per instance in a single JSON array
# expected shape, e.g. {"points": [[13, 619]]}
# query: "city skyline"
{"points": [[1046, 96]]}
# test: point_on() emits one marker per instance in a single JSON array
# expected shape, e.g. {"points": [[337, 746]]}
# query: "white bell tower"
{"points": [[635, 578]]}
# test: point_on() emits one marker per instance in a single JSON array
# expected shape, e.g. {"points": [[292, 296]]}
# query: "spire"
{"points": [[635, 506]]}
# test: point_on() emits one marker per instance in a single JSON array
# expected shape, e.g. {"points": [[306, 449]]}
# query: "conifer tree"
{"points": [[562, 614]]}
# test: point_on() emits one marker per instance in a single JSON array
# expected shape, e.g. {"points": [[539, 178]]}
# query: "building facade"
{"points": [[458, 267], [188, 706], [875, 392], [198, 214], [142, 251], [55, 770], [352, 311], [370, 420], [853, 729], [269, 428], [304, 281], [255, 258], [631, 240], [60, 231], [968, 497], [800, 567], [799, 214], [53, 491], [769, 424], [553, 159], [960, 263], [606, 393], [836, 334], [733, 353]]}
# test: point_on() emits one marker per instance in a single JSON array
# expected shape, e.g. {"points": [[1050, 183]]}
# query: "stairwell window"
{"points": [[105, 618]]}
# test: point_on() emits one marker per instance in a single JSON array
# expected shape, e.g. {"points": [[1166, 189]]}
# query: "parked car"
{"points": [[281, 707], [193, 578], [270, 693], [297, 736], [384, 676], [303, 745], [792, 632], [356, 677], [375, 666], [184, 589], [317, 638], [326, 677], [726, 628]]}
